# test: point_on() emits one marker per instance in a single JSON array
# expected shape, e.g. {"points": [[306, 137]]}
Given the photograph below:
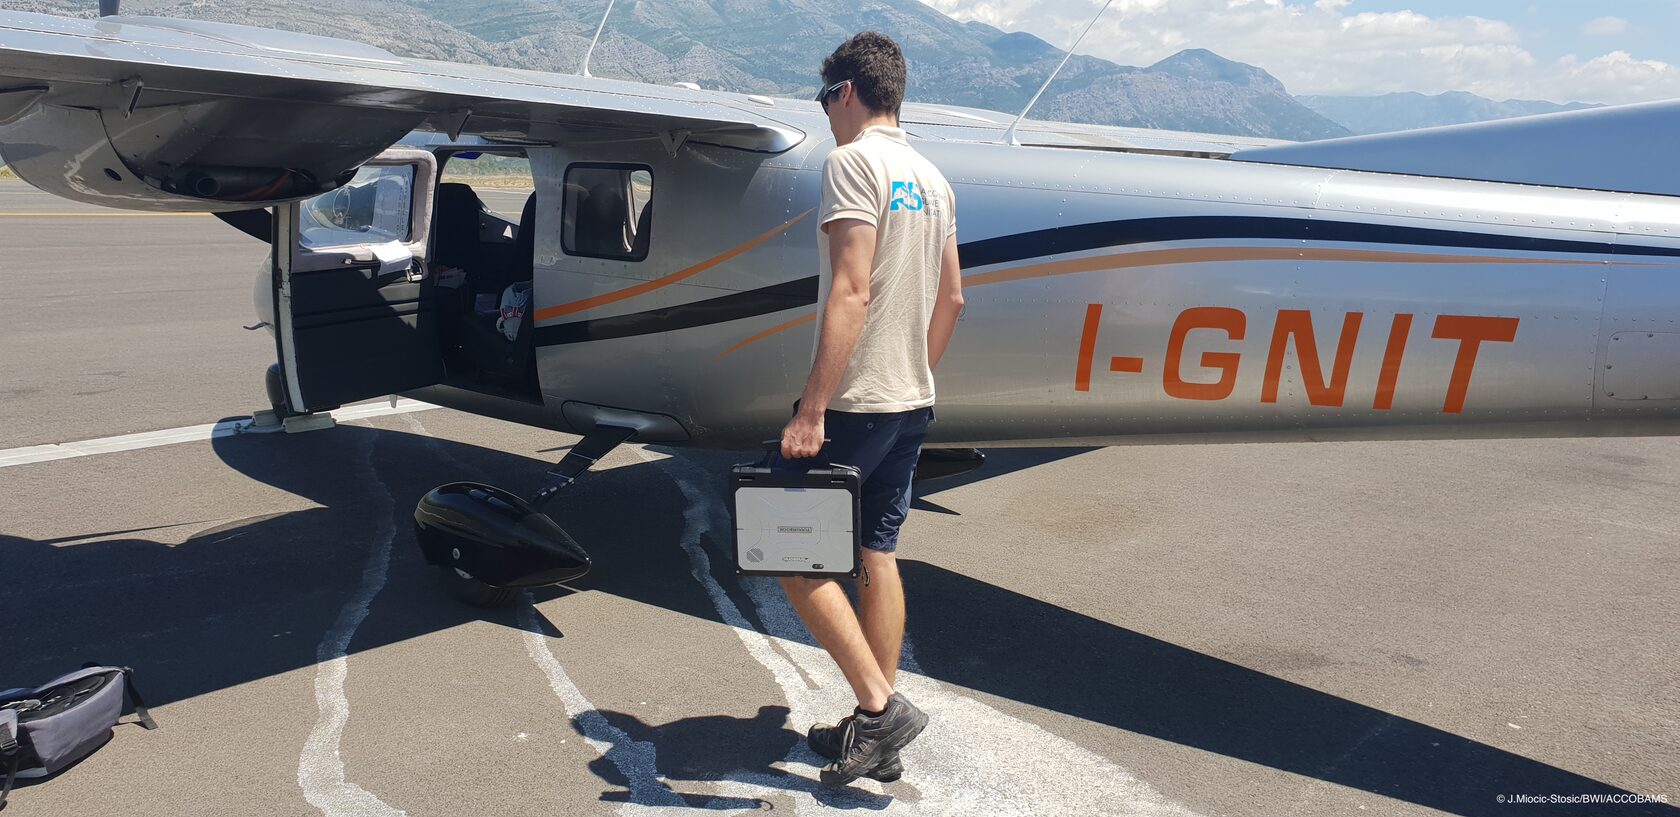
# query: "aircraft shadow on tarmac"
{"points": [[250, 599], [999, 462]]}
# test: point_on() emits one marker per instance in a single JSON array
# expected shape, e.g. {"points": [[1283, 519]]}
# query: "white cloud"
{"points": [[1605, 27], [1619, 75], [1318, 47]]}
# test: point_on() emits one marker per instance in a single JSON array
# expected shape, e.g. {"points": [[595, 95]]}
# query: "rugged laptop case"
{"points": [[795, 523]]}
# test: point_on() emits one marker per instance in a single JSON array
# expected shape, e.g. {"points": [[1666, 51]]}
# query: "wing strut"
{"points": [[1009, 135], [584, 69]]}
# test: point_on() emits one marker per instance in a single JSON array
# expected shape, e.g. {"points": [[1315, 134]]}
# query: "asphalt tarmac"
{"points": [[1300, 629]]}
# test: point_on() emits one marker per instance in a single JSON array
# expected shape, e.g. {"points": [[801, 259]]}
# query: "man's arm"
{"points": [[948, 304], [851, 253]]}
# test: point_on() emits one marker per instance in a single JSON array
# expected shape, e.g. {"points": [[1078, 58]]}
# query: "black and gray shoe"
{"points": [[867, 743], [825, 741]]}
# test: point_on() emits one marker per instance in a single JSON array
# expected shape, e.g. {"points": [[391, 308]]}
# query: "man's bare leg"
{"points": [[881, 611], [828, 613]]}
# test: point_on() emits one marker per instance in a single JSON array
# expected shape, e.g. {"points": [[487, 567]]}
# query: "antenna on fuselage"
{"points": [[1009, 135], [108, 8], [584, 69]]}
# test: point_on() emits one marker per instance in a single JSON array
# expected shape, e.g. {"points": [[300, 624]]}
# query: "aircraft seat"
{"points": [[455, 219], [601, 224], [490, 350], [639, 247]]}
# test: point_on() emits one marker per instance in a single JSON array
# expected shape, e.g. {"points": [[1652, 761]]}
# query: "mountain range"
{"points": [[774, 47], [1404, 111]]}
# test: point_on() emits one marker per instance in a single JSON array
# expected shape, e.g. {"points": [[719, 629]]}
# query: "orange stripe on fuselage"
{"points": [[658, 283], [780, 327], [1214, 255], [1203, 255]]}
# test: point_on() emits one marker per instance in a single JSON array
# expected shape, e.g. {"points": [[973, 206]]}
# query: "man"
{"points": [[889, 298]]}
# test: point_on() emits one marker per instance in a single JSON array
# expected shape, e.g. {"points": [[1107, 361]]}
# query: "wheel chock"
{"points": [[299, 423]]}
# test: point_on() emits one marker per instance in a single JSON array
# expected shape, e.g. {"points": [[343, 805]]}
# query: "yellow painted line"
{"points": [[99, 215]]}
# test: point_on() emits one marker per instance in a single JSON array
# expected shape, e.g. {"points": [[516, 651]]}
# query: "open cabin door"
{"points": [[352, 320]]}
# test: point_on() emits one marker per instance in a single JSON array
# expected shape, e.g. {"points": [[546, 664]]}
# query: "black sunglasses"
{"points": [[824, 94]]}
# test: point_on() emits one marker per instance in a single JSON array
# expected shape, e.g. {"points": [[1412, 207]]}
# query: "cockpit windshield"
{"points": [[373, 208]]}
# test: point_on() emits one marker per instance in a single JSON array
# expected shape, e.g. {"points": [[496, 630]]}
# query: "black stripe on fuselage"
{"points": [[1098, 235], [1078, 238], [762, 301]]}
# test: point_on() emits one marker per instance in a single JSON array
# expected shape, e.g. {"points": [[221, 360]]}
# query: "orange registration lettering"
{"points": [[1470, 332], [1087, 348], [1234, 323], [1297, 323], [1396, 352]]}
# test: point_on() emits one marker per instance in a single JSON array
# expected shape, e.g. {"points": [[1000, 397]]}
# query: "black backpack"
{"points": [[46, 729]]}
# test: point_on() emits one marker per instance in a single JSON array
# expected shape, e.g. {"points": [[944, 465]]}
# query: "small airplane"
{"points": [[1504, 279]]}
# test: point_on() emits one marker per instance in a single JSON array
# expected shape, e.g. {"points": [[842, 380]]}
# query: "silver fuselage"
{"points": [[1237, 301]]}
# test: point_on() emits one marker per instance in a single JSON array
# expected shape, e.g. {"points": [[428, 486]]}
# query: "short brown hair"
{"points": [[875, 65]]}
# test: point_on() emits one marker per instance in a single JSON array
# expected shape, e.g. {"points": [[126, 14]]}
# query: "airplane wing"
{"points": [[955, 123], [1626, 149], [163, 114]]}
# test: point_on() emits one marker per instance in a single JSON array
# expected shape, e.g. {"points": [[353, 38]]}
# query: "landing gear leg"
{"points": [[588, 451], [280, 414], [490, 544]]}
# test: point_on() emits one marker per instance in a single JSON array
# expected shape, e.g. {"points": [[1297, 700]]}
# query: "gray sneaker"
{"points": [[867, 743], [825, 741]]}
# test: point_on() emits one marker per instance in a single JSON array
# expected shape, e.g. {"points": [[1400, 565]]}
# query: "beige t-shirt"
{"points": [[879, 179]]}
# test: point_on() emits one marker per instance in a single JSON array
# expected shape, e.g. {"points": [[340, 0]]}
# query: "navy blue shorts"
{"points": [[884, 448]]}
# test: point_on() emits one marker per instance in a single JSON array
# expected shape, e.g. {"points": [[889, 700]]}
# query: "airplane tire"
{"points": [[275, 384], [474, 592]]}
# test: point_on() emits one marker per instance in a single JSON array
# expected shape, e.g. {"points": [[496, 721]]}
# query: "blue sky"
{"points": [[1614, 51]]}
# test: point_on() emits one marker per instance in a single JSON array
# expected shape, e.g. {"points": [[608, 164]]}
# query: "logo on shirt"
{"points": [[905, 196]]}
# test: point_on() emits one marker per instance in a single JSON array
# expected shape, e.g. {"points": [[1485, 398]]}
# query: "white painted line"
{"points": [[635, 759], [151, 439], [320, 766], [402, 405], [651, 793], [973, 759]]}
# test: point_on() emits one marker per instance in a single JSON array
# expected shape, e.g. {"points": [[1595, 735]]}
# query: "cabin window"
{"points": [[373, 208], [608, 211], [502, 182]]}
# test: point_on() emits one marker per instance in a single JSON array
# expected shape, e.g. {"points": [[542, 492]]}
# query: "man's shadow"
{"points": [[708, 747], [719, 748]]}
